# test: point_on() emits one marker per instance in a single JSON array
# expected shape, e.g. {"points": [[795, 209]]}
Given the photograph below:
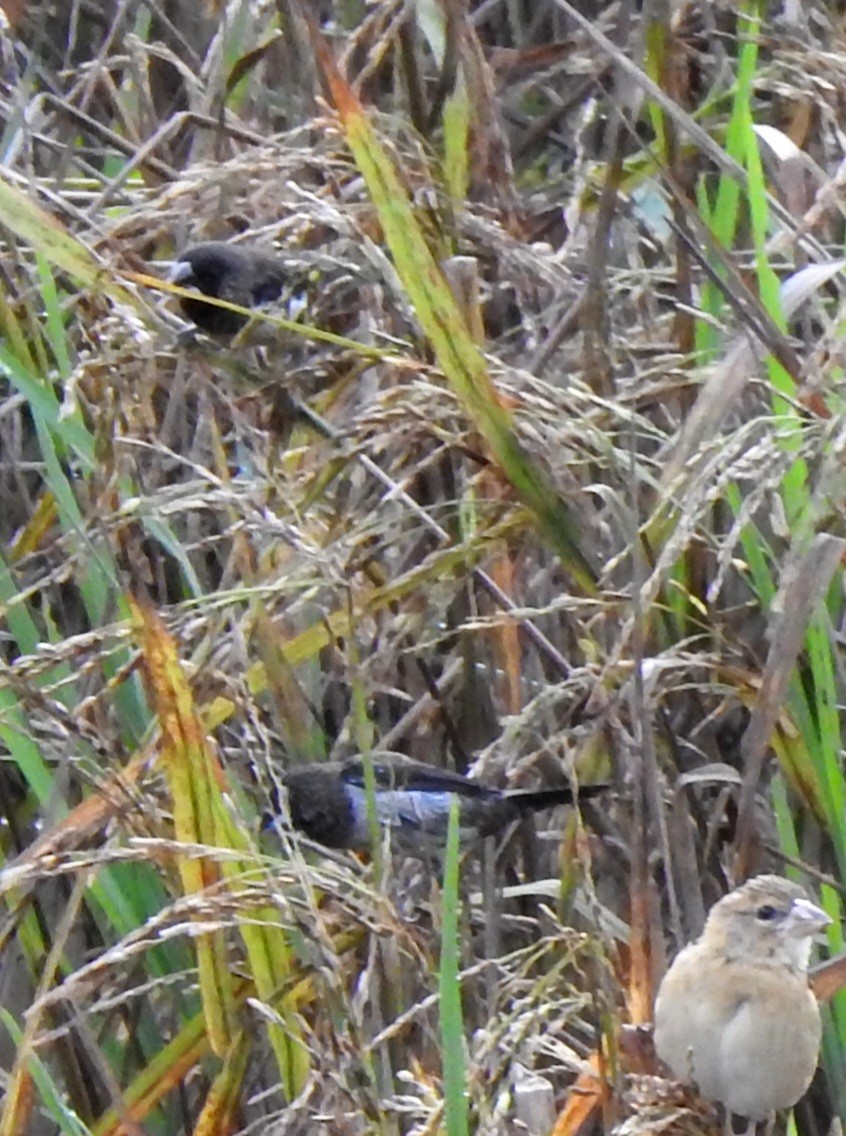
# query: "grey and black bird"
{"points": [[239, 274], [328, 803]]}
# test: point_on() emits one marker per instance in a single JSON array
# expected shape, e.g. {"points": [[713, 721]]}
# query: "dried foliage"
{"points": [[222, 557]]}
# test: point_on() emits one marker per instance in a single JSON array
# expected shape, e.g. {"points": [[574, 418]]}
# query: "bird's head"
{"points": [[234, 273], [207, 267], [770, 918]]}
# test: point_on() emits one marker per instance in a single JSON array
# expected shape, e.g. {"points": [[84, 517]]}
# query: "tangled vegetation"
{"points": [[536, 470]]}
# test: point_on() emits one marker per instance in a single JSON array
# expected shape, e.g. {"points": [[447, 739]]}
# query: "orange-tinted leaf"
{"points": [[195, 779], [219, 1114], [586, 1099], [18, 1101], [829, 977]]}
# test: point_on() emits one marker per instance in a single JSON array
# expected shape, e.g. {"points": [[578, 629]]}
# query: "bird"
{"points": [[239, 274], [735, 1014], [328, 803]]}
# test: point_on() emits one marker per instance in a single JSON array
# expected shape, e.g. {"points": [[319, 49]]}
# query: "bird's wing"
{"points": [[416, 776], [404, 809]]}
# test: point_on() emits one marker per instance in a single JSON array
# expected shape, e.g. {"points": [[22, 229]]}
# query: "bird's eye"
{"points": [[766, 913]]}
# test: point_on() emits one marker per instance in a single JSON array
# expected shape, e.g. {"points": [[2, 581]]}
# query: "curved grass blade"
{"points": [[458, 354]]}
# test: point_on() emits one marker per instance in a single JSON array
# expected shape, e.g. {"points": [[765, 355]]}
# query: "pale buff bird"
{"points": [[735, 1014]]}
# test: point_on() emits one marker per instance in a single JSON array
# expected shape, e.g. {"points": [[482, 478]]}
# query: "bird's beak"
{"points": [[181, 272], [808, 916]]}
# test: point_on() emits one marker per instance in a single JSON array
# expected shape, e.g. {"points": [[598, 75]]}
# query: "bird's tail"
{"points": [[536, 799]]}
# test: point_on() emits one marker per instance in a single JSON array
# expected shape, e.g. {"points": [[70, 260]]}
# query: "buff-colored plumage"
{"points": [[735, 1014]]}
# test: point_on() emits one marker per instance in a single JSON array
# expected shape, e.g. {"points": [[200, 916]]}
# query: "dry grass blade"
{"points": [[533, 471]]}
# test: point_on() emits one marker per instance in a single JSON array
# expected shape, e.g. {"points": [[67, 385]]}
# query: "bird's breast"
{"points": [[748, 1036]]}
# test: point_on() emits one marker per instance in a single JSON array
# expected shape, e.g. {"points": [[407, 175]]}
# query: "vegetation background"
{"points": [[538, 471]]}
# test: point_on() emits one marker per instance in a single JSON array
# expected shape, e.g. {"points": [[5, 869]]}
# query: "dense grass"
{"points": [[537, 471]]}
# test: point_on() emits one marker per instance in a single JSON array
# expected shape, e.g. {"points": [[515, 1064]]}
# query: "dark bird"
{"points": [[238, 274], [735, 1013], [328, 802]]}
